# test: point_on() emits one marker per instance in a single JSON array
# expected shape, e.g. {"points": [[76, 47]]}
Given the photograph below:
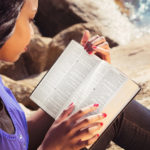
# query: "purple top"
{"points": [[19, 140]]}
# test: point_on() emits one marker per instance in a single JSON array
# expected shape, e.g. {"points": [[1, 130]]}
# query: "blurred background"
{"points": [[124, 23], [139, 12]]}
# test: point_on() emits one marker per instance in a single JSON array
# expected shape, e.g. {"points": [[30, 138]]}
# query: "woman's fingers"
{"points": [[88, 45], [94, 41], [93, 38], [103, 51], [85, 38], [98, 41], [83, 112], [98, 45], [88, 121], [89, 132], [85, 143], [66, 113]]}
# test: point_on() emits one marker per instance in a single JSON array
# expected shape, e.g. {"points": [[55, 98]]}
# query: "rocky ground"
{"points": [[60, 21]]}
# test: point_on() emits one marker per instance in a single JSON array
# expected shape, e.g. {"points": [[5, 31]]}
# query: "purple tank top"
{"points": [[19, 140]]}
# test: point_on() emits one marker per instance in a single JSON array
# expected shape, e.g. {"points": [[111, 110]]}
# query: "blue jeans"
{"points": [[131, 130]]}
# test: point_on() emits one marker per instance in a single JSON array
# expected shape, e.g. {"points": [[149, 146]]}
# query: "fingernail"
{"points": [[97, 135], [96, 105], [94, 47], [71, 104], [104, 115], [90, 52], [87, 44], [84, 47], [101, 124]]}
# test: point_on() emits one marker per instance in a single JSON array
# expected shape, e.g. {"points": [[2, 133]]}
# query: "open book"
{"points": [[84, 79]]}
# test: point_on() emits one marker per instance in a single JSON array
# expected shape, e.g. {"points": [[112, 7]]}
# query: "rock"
{"points": [[36, 57], [34, 79], [15, 71], [122, 7], [113, 146], [35, 29], [134, 60], [104, 14], [144, 95], [51, 18]]}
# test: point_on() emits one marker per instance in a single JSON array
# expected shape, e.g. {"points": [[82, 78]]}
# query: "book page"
{"points": [[101, 88], [66, 75]]}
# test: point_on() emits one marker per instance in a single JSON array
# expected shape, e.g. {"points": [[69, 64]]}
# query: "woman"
{"points": [[68, 130], [15, 34]]}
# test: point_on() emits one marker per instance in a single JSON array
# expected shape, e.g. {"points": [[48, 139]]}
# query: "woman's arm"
{"points": [[73, 132], [38, 125]]}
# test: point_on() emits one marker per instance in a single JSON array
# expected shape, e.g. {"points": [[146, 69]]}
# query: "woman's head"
{"points": [[9, 11], [15, 27]]}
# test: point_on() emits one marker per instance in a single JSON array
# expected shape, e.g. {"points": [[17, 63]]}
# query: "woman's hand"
{"points": [[96, 45], [73, 132]]}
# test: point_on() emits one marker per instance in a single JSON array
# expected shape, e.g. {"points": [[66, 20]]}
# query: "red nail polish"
{"points": [[90, 52], [97, 135], [96, 105], [104, 115], [85, 48], [87, 44], [101, 124], [94, 47]]}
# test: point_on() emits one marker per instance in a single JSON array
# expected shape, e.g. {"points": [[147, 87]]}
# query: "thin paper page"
{"points": [[106, 83], [64, 78]]}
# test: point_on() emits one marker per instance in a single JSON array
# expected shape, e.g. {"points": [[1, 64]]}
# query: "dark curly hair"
{"points": [[9, 11]]}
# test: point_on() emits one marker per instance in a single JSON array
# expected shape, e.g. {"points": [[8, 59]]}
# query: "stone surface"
{"points": [[34, 79], [35, 29], [122, 7], [15, 70], [54, 16], [104, 14], [134, 60], [113, 146], [36, 57]]}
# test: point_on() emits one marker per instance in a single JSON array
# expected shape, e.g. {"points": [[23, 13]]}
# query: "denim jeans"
{"points": [[131, 129]]}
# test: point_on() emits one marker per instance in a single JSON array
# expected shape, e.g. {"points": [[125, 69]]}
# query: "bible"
{"points": [[84, 79]]}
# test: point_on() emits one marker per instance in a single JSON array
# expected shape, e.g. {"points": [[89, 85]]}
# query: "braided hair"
{"points": [[9, 11]]}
